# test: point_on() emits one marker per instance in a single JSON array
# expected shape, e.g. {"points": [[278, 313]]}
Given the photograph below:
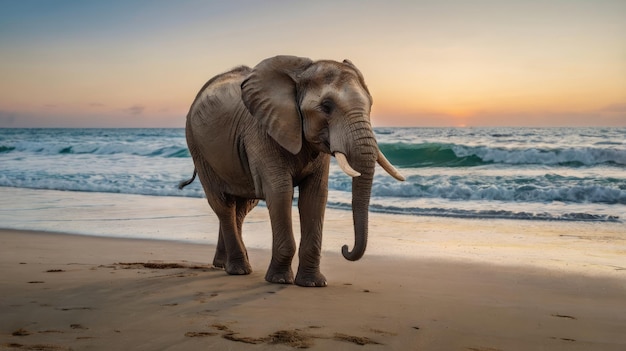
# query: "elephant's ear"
{"points": [[269, 93], [360, 75]]}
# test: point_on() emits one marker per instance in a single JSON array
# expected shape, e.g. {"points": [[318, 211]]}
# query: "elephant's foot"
{"points": [[219, 260], [279, 276], [237, 267], [315, 279]]}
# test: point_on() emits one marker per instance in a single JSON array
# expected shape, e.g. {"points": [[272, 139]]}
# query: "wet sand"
{"points": [[62, 292]]}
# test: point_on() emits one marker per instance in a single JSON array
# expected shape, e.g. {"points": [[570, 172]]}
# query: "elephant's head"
{"points": [[327, 105]]}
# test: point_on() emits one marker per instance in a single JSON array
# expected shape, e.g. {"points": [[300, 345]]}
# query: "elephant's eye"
{"points": [[327, 106]]}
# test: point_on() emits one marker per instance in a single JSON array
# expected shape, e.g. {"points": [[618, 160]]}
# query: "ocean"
{"points": [[536, 174]]}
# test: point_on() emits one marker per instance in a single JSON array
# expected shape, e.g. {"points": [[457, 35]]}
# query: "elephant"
{"points": [[256, 133]]}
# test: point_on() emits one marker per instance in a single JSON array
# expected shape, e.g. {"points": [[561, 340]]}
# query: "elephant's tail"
{"points": [[184, 183]]}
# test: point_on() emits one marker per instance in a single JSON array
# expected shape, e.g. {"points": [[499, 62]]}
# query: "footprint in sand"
{"points": [[21, 332], [296, 338], [383, 332], [562, 339], [74, 308], [199, 334], [38, 347], [563, 316]]}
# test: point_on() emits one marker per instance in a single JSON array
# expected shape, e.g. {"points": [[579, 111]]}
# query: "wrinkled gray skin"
{"points": [[257, 133]]}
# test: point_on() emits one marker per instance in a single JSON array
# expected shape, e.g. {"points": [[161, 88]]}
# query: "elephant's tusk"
{"points": [[345, 166], [387, 166]]}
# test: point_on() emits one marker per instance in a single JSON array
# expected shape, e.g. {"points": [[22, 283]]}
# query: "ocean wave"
{"points": [[549, 188], [147, 185], [130, 187], [496, 214], [404, 154], [452, 155], [484, 214], [171, 151], [427, 155], [110, 148], [571, 157], [553, 174]]}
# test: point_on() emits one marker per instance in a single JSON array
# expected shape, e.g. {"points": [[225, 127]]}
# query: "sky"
{"points": [[140, 63]]}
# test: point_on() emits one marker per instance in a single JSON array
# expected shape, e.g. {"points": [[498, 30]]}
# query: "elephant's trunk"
{"points": [[361, 190], [362, 153]]}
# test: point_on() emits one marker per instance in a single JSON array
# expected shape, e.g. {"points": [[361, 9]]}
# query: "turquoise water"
{"points": [[570, 174]]}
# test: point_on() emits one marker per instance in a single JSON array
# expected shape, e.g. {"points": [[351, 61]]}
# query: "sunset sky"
{"points": [[427, 63]]}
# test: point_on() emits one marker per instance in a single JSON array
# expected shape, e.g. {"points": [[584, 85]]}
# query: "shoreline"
{"points": [[81, 292], [591, 248]]}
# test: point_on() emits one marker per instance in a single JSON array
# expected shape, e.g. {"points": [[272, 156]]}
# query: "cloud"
{"points": [[7, 118], [615, 108], [96, 104], [135, 109], [50, 106]]}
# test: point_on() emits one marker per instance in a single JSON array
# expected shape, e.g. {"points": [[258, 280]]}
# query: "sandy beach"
{"points": [[425, 283], [75, 292]]}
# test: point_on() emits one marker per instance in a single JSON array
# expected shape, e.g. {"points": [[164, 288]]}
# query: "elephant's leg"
{"points": [[219, 260], [311, 204], [283, 243], [225, 208], [244, 206], [230, 252]]}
